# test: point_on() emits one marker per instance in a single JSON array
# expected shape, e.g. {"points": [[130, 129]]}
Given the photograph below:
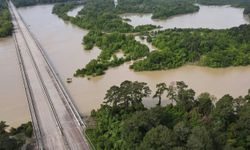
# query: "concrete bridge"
{"points": [[56, 122]]}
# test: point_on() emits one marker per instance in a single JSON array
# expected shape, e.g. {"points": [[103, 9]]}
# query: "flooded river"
{"points": [[214, 17], [62, 42], [13, 105]]}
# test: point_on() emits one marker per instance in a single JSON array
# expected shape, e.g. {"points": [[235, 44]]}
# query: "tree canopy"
{"points": [[206, 47], [20, 3], [190, 122]]}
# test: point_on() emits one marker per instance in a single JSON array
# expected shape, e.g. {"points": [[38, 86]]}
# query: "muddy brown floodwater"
{"points": [[213, 17], [13, 106], [62, 43]]}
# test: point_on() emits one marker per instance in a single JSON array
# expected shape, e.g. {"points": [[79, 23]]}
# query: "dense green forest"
{"points": [[16, 137], [224, 2], [236, 3], [110, 44], [5, 20], [188, 122], [161, 9], [103, 15], [20, 3], [176, 47], [98, 15], [213, 48], [61, 10]]}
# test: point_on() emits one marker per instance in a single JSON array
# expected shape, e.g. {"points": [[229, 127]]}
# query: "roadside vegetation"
{"points": [[5, 20], [15, 138], [188, 122]]}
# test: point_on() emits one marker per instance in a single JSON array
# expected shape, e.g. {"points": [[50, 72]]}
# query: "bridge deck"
{"points": [[57, 124]]}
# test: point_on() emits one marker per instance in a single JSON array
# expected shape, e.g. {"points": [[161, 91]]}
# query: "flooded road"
{"points": [[62, 42], [214, 17], [13, 105]]}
